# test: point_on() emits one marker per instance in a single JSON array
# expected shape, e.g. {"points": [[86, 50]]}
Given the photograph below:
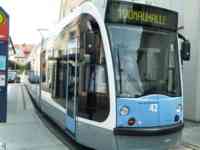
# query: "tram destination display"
{"points": [[138, 14]]}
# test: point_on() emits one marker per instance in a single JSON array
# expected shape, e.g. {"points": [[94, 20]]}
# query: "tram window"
{"points": [[73, 54], [44, 73], [59, 69], [93, 101], [59, 82]]}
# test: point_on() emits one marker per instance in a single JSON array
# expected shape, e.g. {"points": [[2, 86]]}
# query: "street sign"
{"points": [[3, 63], [4, 37], [4, 25]]}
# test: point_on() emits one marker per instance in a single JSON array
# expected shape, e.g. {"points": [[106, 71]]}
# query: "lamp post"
{"points": [[41, 30]]}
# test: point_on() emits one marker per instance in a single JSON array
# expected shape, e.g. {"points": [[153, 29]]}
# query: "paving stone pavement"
{"points": [[24, 130]]}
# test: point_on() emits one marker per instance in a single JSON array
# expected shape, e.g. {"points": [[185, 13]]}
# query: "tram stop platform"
{"points": [[28, 129]]}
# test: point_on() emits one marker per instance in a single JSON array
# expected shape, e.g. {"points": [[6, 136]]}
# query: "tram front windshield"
{"points": [[145, 61]]}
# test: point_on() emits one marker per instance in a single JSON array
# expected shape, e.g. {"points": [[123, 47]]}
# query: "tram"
{"points": [[112, 77]]}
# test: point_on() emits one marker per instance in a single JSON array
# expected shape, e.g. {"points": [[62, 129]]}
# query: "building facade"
{"points": [[67, 6], [191, 69]]}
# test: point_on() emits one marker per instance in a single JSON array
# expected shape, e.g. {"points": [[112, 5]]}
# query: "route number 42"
{"points": [[153, 108]]}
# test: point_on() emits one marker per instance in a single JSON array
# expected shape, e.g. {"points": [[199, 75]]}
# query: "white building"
{"points": [[191, 72]]}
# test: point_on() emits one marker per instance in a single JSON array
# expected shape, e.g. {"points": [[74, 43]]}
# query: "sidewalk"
{"points": [[191, 135], [24, 130]]}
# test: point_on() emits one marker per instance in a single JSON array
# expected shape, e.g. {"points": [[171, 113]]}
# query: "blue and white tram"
{"points": [[111, 81]]}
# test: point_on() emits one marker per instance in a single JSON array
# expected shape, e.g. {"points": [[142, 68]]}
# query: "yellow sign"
{"points": [[2, 18], [144, 16]]}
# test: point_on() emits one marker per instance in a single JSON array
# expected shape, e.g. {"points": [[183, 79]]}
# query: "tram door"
{"points": [[72, 71]]}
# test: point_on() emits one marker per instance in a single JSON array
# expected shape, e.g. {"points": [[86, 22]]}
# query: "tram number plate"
{"points": [[153, 108]]}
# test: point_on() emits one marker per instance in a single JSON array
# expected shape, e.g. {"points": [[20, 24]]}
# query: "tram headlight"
{"points": [[179, 108], [124, 111], [131, 121]]}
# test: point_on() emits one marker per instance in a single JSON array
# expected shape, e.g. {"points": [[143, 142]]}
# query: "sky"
{"points": [[26, 16]]}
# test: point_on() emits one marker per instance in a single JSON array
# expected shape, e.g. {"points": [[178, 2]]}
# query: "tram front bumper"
{"points": [[152, 131]]}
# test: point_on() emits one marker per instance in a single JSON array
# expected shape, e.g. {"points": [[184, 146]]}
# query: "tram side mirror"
{"points": [[185, 50]]}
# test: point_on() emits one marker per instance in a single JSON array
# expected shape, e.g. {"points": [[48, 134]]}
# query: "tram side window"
{"points": [[93, 102], [59, 82], [59, 69], [44, 70]]}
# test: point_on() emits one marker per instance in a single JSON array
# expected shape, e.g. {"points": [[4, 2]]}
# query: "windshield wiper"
{"points": [[120, 71]]}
